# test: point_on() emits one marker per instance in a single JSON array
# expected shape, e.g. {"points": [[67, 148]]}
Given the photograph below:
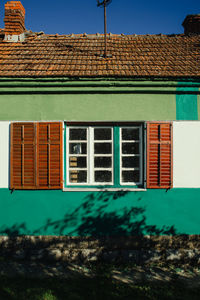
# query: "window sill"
{"points": [[79, 189]]}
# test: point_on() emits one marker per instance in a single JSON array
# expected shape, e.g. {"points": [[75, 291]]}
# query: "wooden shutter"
{"points": [[36, 156], [23, 149], [49, 155], [159, 155]]}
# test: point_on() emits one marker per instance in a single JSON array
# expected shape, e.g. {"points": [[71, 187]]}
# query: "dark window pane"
{"points": [[103, 176], [130, 176], [77, 148], [78, 162], [77, 134], [131, 162], [102, 148], [102, 162], [130, 148], [102, 133], [78, 176], [130, 134]]}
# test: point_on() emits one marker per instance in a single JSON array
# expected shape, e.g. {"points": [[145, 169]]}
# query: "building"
{"points": [[99, 146]]}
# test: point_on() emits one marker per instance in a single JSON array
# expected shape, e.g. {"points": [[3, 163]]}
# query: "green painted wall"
{"points": [[100, 213], [186, 104], [98, 99], [86, 107]]}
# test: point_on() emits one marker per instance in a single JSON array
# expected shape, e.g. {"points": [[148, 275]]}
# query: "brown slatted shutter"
{"points": [[159, 155], [49, 155], [36, 156], [23, 148]]}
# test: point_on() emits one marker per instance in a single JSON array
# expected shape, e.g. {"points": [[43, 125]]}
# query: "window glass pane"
{"points": [[102, 162], [77, 134], [130, 134], [103, 176], [130, 148], [78, 176], [130, 162], [102, 148], [78, 162], [102, 133], [78, 148], [130, 176]]}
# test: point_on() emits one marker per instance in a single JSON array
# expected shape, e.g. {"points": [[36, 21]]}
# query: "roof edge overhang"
{"points": [[164, 79]]}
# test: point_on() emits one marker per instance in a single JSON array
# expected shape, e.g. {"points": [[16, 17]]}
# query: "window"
{"points": [[110, 156], [90, 155]]}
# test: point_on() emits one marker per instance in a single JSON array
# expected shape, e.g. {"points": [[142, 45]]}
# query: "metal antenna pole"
{"points": [[104, 3], [105, 29]]}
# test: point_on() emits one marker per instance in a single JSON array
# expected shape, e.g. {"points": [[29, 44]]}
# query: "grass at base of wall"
{"points": [[101, 286]]}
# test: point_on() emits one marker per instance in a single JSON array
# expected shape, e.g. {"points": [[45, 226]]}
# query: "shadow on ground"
{"points": [[104, 282]]}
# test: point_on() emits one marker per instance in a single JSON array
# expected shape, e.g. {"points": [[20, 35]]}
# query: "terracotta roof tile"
{"points": [[82, 56]]}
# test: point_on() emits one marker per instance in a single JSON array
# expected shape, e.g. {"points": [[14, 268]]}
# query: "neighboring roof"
{"points": [[43, 55]]}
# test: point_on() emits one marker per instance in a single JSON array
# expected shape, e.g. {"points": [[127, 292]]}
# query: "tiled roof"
{"points": [[44, 55]]}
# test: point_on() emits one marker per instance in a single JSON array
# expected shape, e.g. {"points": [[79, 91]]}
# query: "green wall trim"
{"points": [[155, 212], [186, 104], [104, 85], [165, 80], [92, 90]]}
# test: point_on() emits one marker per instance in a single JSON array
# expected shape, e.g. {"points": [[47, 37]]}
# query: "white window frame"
{"points": [[140, 127], [77, 155], [90, 156]]}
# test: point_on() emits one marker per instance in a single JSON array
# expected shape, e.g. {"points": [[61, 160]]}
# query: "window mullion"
{"points": [[120, 155], [116, 156], [91, 156], [67, 155], [141, 154]]}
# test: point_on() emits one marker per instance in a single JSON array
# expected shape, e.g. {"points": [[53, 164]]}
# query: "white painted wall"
{"points": [[4, 154], [186, 154]]}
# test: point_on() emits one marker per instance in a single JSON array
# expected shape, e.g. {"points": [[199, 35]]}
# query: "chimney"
{"points": [[14, 21], [191, 24]]}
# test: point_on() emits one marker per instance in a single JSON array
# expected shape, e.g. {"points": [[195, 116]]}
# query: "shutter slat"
{"points": [[42, 162], [159, 155]]}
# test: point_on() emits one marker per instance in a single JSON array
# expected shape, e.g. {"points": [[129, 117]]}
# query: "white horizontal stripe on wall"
{"points": [[4, 154], [186, 154]]}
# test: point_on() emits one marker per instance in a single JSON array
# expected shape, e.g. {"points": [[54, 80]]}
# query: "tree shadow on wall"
{"points": [[101, 225], [94, 218], [97, 217]]}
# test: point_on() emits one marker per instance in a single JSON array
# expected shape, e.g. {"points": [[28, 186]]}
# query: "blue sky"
{"points": [[128, 16]]}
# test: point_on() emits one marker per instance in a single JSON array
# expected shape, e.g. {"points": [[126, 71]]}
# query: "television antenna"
{"points": [[104, 4]]}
